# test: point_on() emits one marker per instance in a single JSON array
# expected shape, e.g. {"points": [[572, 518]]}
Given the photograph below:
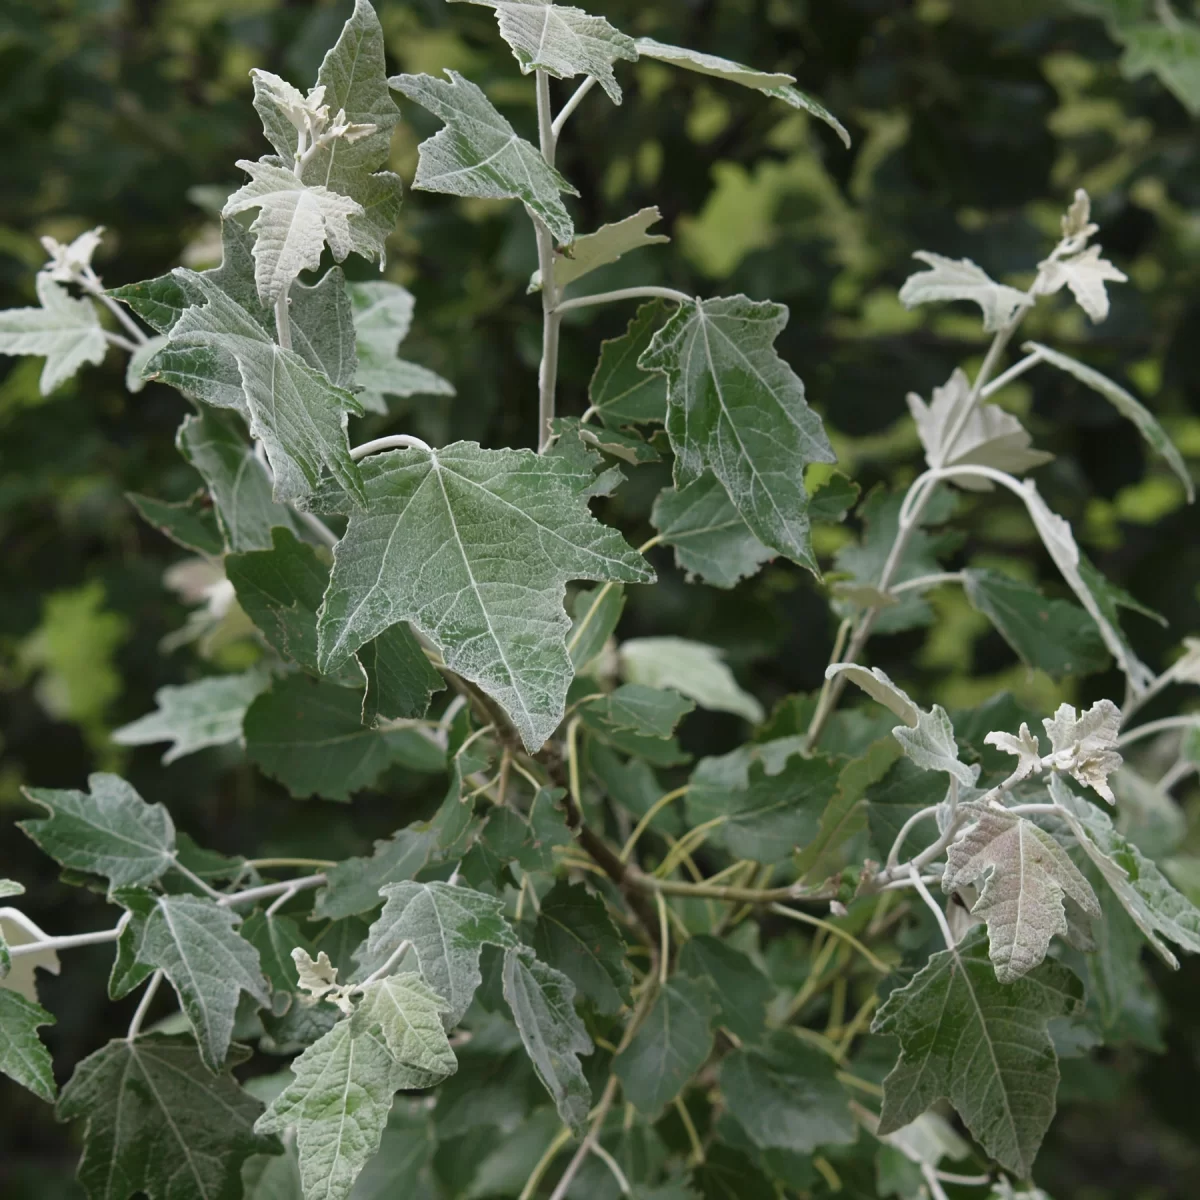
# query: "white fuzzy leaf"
{"points": [[64, 331], [931, 745], [961, 279], [879, 687], [1086, 745], [1085, 274], [1024, 746], [605, 246]]}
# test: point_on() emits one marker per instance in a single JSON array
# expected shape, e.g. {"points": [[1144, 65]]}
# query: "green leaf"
{"points": [[711, 540], [741, 989], [542, 1003], [400, 678], [190, 523], [479, 154], [774, 84], [961, 279], [338, 1104], [1055, 636], [595, 613], [353, 886], [1172, 52], [447, 927], [670, 1046], [786, 1096], [737, 409], [10, 887], [23, 1058], [562, 41], [879, 687], [609, 243], [309, 734], [64, 331], [240, 486], [1154, 435], [207, 712], [575, 935], [295, 411], [111, 832], [500, 532], [692, 668], [1024, 878], [160, 1124], [833, 499], [620, 390], [194, 942], [771, 808], [1004, 1089], [651, 711], [932, 747], [382, 317], [408, 1016]]}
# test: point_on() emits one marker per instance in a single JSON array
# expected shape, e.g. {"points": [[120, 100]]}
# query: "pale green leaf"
{"points": [[1085, 274], [651, 711], [620, 390], [931, 745], [23, 1058], [408, 1016], [480, 154], [64, 331], [10, 887], [195, 715], [961, 279], [135, 378], [595, 612], [1004, 1087], [736, 408], [695, 670], [879, 687], [160, 1124], [194, 942], [499, 534], [111, 832], [606, 245], [1172, 52], [542, 1004]]}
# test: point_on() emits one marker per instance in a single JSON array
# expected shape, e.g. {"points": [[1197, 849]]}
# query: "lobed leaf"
{"points": [[66, 332], [23, 1057], [590, 251], [620, 390], [961, 279]]}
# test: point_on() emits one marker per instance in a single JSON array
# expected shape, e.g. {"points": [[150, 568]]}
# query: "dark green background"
{"points": [[973, 122]]}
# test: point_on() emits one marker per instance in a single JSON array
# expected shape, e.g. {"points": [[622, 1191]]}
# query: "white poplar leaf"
{"points": [[1085, 274], [693, 669], [1025, 876], [1086, 745], [931, 745], [961, 279], [1025, 746], [64, 331], [69, 261], [562, 41], [407, 1013], [316, 976], [605, 246], [879, 687], [293, 225]]}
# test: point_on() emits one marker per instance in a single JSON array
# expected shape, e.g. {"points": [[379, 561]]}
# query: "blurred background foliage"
{"points": [[973, 121]]}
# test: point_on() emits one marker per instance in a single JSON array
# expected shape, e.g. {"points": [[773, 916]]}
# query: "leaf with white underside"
{"points": [[498, 534], [1086, 744], [23, 1057], [195, 715], [991, 437], [294, 223], [691, 668], [542, 1004], [1024, 876], [737, 409], [316, 976], [931, 745], [447, 928], [981, 1044], [1143, 890], [480, 154], [338, 1103], [1085, 274], [770, 83], [1147, 425], [961, 279], [10, 887], [382, 317], [879, 687], [407, 1014], [562, 41], [1024, 746], [160, 1124], [606, 245], [111, 832], [194, 942], [295, 411], [64, 331]]}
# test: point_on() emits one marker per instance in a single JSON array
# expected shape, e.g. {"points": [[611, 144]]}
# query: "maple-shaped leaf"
{"points": [[195, 943], [1085, 274], [23, 1057], [352, 88], [590, 251], [64, 331], [407, 1014], [735, 408], [1086, 744], [542, 1004], [981, 1044], [382, 317], [1024, 746], [931, 745], [193, 716], [621, 391], [160, 1124], [109, 830], [1025, 876], [562, 41], [961, 279], [297, 413], [293, 226], [991, 437], [498, 534], [480, 154]]}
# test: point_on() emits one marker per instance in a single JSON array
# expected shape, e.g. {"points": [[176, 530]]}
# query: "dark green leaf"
{"points": [[741, 989], [400, 678], [191, 523], [621, 391], [23, 1058], [651, 711]]}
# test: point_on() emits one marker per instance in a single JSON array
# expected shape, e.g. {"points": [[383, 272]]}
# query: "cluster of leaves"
{"points": [[531, 936]]}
